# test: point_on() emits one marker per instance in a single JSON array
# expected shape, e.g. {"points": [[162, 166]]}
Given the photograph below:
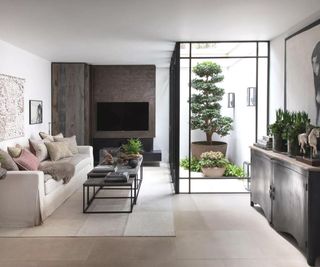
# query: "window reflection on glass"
{"points": [[184, 49], [251, 96], [231, 100]]}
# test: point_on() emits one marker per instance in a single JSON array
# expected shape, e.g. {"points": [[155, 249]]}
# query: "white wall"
{"points": [[161, 141], [277, 47], [37, 73]]}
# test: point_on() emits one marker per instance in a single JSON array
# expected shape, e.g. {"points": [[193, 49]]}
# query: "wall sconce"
{"points": [[251, 96], [231, 100]]}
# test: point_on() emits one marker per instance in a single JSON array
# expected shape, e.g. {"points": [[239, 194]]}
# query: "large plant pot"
{"points": [[213, 172], [278, 144], [197, 148]]}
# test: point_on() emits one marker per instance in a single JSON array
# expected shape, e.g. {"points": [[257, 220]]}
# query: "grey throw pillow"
{"points": [[50, 137], [71, 141], [58, 150], [38, 148], [7, 162]]}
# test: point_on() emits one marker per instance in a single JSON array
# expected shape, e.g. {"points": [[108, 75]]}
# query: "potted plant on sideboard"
{"points": [[299, 123], [213, 163], [205, 108], [278, 129]]}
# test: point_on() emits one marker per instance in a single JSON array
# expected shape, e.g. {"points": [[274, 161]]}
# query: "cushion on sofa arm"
{"points": [[7, 162]]}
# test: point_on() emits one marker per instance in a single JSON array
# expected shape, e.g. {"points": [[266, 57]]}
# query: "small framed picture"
{"points": [[35, 111]]}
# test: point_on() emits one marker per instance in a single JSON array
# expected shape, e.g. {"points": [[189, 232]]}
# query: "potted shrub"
{"points": [[205, 108], [278, 129], [213, 163], [131, 151], [299, 123]]}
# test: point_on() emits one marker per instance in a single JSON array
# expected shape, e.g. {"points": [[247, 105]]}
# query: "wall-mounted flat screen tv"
{"points": [[122, 116]]}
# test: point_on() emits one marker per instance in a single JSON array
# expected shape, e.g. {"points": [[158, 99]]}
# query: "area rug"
{"points": [[151, 216]]}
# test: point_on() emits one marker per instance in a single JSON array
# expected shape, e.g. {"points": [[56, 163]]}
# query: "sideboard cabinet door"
{"points": [[289, 207], [261, 181]]}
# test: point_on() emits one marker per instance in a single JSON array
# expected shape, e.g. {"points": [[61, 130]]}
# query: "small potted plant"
{"points": [[278, 129], [131, 151], [213, 163]]}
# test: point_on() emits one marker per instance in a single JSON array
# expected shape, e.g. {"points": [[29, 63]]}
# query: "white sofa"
{"points": [[27, 198]]}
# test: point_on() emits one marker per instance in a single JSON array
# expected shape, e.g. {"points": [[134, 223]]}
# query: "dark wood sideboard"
{"points": [[288, 191]]}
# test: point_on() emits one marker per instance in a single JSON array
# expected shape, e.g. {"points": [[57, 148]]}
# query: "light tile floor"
{"points": [[211, 230]]}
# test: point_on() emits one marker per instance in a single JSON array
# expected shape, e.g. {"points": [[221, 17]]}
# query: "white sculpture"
{"points": [[310, 139], [303, 140]]}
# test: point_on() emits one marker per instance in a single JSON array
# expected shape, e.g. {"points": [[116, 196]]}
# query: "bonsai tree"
{"points": [[205, 105]]}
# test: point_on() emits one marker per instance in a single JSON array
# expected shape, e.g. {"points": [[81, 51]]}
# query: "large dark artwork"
{"points": [[302, 85], [315, 60]]}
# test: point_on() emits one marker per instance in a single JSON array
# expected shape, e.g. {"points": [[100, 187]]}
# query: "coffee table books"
{"points": [[117, 177]]}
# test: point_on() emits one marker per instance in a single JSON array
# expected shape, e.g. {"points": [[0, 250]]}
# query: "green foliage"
{"points": [[205, 105], [280, 126], [194, 164], [213, 159], [289, 124], [298, 124], [133, 146], [234, 170]]}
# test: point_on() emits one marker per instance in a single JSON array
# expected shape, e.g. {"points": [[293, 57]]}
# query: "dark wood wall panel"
{"points": [[129, 83], [71, 100]]}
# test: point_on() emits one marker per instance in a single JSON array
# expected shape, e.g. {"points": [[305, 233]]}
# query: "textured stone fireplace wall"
{"points": [[117, 83]]}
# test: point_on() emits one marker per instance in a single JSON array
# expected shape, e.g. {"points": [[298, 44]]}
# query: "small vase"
{"points": [[133, 163], [213, 172]]}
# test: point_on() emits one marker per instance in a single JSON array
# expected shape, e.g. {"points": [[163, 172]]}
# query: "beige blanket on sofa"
{"points": [[58, 170]]}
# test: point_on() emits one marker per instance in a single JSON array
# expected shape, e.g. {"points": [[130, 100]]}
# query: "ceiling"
{"points": [[140, 31]]}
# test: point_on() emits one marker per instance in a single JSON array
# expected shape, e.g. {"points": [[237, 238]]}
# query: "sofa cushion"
{"points": [[79, 161], [7, 162], [49, 136], [14, 151], [38, 148], [27, 161], [51, 185], [58, 150], [71, 141]]}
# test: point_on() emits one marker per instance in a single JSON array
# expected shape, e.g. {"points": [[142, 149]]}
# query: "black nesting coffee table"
{"points": [[97, 181]]}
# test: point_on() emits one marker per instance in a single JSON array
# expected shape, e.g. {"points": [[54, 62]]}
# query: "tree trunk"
{"points": [[209, 138]]}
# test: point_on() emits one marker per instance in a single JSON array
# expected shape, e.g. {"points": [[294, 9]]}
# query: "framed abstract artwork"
{"points": [[11, 107], [35, 111], [302, 71]]}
